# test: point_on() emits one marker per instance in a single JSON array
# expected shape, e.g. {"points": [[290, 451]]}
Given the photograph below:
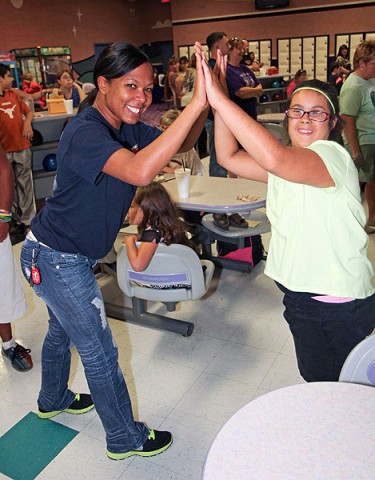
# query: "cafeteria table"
{"points": [[220, 195], [208, 194], [225, 195], [309, 431]]}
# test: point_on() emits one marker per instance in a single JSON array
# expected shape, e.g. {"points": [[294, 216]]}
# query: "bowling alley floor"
{"points": [[240, 349]]}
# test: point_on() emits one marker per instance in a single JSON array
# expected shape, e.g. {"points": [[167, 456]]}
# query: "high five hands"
{"points": [[214, 81], [199, 94]]}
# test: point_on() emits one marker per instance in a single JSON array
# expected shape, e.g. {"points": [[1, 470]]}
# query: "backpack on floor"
{"points": [[253, 252]]}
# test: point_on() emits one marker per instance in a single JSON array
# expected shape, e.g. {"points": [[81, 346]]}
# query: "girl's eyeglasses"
{"points": [[314, 115]]}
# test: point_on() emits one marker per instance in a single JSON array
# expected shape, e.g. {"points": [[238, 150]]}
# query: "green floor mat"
{"points": [[30, 445]]}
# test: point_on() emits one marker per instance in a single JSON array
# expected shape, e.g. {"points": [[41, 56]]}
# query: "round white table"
{"points": [[217, 194], [322, 431]]}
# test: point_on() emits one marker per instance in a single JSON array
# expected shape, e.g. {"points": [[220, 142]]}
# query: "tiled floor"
{"points": [[241, 348]]}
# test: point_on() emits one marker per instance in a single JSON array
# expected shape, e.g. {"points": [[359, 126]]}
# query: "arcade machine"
{"points": [[43, 62]]}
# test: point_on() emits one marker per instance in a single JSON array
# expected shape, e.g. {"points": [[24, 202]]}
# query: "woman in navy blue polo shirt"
{"points": [[104, 153]]}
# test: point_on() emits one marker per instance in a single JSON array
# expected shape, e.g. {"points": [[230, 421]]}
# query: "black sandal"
{"points": [[221, 221], [237, 221]]}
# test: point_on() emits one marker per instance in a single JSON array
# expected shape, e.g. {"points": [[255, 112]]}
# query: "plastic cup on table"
{"points": [[183, 182], [69, 106]]}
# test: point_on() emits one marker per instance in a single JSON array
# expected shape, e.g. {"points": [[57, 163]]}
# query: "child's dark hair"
{"points": [[330, 93], [4, 69], [116, 60], [161, 212]]}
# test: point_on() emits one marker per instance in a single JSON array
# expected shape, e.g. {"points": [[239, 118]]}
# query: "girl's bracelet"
{"points": [[5, 216]]}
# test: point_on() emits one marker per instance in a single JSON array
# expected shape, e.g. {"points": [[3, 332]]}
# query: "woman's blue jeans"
{"points": [[77, 317]]}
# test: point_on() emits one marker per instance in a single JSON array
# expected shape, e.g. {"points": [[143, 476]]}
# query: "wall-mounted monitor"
{"points": [[263, 4]]}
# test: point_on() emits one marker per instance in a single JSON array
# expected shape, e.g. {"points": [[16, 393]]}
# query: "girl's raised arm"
{"points": [[295, 164], [228, 154]]}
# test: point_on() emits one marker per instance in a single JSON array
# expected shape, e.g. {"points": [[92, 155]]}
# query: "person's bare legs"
{"points": [[17, 354], [5, 332]]}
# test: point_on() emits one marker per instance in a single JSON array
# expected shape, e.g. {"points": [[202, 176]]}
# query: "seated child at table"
{"points": [[190, 159], [158, 220], [30, 86]]}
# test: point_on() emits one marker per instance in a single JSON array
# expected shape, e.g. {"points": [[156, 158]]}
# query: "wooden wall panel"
{"points": [[274, 26], [45, 22], [42, 22]]}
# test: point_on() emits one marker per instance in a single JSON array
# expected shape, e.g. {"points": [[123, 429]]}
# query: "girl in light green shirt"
{"points": [[318, 249]]}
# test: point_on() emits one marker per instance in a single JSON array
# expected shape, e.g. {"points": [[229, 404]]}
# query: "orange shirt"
{"points": [[11, 122]]}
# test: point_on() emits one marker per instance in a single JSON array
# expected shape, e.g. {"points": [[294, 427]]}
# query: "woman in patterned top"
{"points": [[158, 220]]}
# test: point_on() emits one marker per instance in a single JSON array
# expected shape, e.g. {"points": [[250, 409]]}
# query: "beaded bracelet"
{"points": [[5, 216]]}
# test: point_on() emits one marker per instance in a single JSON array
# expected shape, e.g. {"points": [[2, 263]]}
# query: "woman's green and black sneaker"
{"points": [[157, 442], [82, 403]]}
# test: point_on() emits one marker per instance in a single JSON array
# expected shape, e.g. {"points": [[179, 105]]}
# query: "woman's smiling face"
{"points": [[303, 131], [127, 97]]}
